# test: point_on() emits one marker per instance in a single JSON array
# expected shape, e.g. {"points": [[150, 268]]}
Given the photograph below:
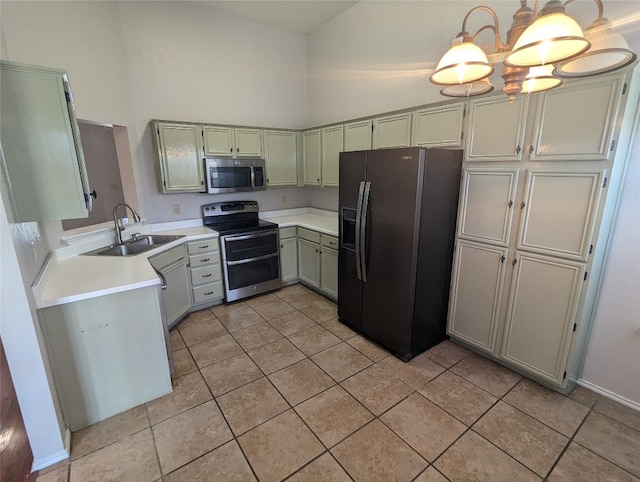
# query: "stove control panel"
{"points": [[229, 207]]}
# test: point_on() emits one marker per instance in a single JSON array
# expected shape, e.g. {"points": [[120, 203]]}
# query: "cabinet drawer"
{"points": [[201, 259], [208, 292], [161, 260], [329, 241], [206, 274], [197, 247], [312, 236], [288, 232]]}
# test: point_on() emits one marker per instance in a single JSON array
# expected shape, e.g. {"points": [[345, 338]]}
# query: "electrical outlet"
{"points": [[284, 199], [176, 209], [114, 187]]}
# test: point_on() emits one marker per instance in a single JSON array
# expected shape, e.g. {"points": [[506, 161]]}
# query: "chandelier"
{"points": [[537, 54]]}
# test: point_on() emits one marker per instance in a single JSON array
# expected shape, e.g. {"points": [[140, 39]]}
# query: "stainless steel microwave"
{"points": [[234, 175]]}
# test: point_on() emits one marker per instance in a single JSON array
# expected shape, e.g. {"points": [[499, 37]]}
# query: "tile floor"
{"points": [[276, 388]]}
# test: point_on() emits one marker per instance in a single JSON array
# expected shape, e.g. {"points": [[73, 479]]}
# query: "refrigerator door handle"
{"points": [[363, 231], [358, 222]]}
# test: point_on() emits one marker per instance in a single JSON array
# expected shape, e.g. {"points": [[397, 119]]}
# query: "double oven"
{"points": [[249, 247]]}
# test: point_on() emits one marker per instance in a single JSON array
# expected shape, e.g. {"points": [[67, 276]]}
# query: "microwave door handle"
{"points": [[358, 223], [253, 177], [363, 230]]}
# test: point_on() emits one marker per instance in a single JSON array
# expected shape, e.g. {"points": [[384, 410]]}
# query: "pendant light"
{"points": [[540, 79], [464, 62], [469, 89]]}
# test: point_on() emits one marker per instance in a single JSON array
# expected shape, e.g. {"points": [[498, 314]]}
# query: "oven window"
{"points": [[230, 177], [253, 272], [250, 245]]}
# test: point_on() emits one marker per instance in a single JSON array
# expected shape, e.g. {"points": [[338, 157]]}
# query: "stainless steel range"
{"points": [[249, 246]]}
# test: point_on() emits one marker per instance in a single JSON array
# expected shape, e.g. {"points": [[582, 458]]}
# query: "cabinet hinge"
{"points": [[590, 248], [575, 325], [604, 183], [67, 96], [585, 276], [372, 127], [564, 376], [624, 89], [158, 128], [613, 145]]}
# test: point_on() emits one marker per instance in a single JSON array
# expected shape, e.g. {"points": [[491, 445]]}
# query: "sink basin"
{"points": [[131, 248]]}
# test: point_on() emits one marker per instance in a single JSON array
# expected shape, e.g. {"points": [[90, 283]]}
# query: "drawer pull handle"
{"points": [[206, 275], [208, 293], [204, 260], [203, 247]]}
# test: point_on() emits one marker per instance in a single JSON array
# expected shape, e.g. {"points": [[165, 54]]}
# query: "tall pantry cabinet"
{"points": [[539, 194]]}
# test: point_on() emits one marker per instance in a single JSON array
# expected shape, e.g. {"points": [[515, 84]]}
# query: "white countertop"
{"points": [[68, 276]]}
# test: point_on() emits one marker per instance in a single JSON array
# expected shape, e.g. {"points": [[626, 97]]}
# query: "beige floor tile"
{"points": [[313, 340], [200, 326], [333, 415], [376, 389], [341, 361], [60, 474], [292, 323], [279, 447], [262, 300], [612, 440], [301, 381], [339, 329], [524, 438], [415, 373], [472, 458], [301, 299], [176, 341], [584, 396], [619, 412], [447, 353], [321, 311], [375, 453], [369, 349], [132, 458], [183, 363], [103, 433], [189, 435], [229, 374], [579, 465], [251, 404], [215, 350], [551, 408], [276, 355], [459, 397], [423, 425], [188, 391], [227, 308], [431, 475], [257, 335], [274, 309], [291, 289], [486, 374], [224, 463], [243, 316], [323, 469]]}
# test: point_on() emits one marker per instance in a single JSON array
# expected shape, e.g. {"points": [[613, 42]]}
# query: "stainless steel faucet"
{"points": [[118, 226]]}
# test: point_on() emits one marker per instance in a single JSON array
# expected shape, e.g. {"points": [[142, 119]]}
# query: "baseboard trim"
{"points": [[609, 394], [52, 459]]}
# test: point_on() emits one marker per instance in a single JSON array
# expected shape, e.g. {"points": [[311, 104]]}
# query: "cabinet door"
{"points": [[559, 211], [392, 131], [281, 158], [218, 141], [248, 142], [357, 136], [439, 126], [496, 129], [177, 296], [486, 206], [329, 272], [312, 155], [180, 153], [476, 293], [309, 262], [41, 154], [542, 310], [332, 146], [288, 259], [576, 122]]}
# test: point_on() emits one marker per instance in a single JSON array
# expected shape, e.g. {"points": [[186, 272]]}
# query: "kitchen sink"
{"points": [[133, 247]]}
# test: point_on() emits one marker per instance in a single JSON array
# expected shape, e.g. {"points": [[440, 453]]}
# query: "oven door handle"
{"points": [[248, 236], [250, 260]]}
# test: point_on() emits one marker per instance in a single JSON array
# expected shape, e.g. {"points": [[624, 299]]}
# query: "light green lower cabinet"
{"points": [[309, 262], [288, 254], [172, 264], [108, 354], [329, 272], [318, 261]]}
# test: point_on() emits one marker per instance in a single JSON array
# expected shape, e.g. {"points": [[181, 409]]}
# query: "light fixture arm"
{"points": [[498, 46], [597, 2]]}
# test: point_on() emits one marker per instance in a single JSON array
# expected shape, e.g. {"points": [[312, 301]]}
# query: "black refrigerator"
{"points": [[397, 210]]}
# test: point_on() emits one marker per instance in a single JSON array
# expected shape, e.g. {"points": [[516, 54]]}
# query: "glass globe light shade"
{"points": [[470, 89], [463, 63], [539, 79]]}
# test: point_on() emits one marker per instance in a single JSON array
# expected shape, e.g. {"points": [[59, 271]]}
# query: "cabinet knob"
{"points": [[531, 149], [94, 194], [318, 179], [513, 263], [510, 203], [522, 205], [518, 150]]}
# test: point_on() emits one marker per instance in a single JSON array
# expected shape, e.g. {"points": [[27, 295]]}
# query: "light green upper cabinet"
{"points": [[392, 131], [439, 126], [223, 141], [332, 146], [281, 158], [496, 129], [41, 153], [357, 136], [179, 149], [576, 122], [312, 149]]}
